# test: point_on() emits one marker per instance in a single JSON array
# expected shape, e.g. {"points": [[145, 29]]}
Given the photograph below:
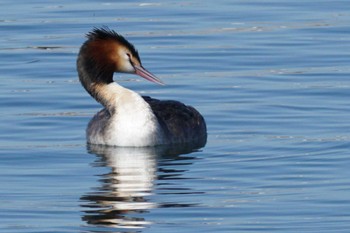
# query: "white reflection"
{"points": [[123, 194], [124, 189], [133, 173]]}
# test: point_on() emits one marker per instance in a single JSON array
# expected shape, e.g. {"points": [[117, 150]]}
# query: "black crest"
{"points": [[104, 33]]}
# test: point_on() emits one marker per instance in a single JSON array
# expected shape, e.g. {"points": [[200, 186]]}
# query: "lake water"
{"points": [[270, 77]]}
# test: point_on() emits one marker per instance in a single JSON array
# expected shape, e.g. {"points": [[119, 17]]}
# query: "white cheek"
{"points": [[126, 65], [129, 68]]}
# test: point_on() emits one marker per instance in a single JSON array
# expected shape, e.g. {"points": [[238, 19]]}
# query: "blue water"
{"points": [[270, 77]]}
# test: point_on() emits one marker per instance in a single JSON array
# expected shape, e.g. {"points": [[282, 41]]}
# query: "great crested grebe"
{"points": [[129, 119]]}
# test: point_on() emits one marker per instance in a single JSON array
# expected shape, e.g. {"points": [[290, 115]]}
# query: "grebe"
{"points": [[129, 119]]}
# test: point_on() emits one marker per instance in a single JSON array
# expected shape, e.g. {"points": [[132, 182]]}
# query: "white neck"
{"points": [[131, 121]]}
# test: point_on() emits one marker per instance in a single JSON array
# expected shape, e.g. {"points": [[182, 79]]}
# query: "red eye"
{"points": [[130, 57]]}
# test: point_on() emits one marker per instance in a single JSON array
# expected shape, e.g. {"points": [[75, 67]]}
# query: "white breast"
{"points": [[131, 123]]}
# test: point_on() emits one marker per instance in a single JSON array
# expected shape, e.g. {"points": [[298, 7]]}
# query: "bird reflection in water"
{"points": [[124, 192]]}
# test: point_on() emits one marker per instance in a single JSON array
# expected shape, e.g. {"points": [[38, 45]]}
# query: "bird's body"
{"points": [[129, 119]]}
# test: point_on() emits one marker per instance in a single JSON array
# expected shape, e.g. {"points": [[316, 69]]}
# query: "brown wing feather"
{"points": [[181, 123]]}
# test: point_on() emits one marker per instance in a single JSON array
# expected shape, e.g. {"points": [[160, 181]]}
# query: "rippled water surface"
{"points": [[270, 77]]}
